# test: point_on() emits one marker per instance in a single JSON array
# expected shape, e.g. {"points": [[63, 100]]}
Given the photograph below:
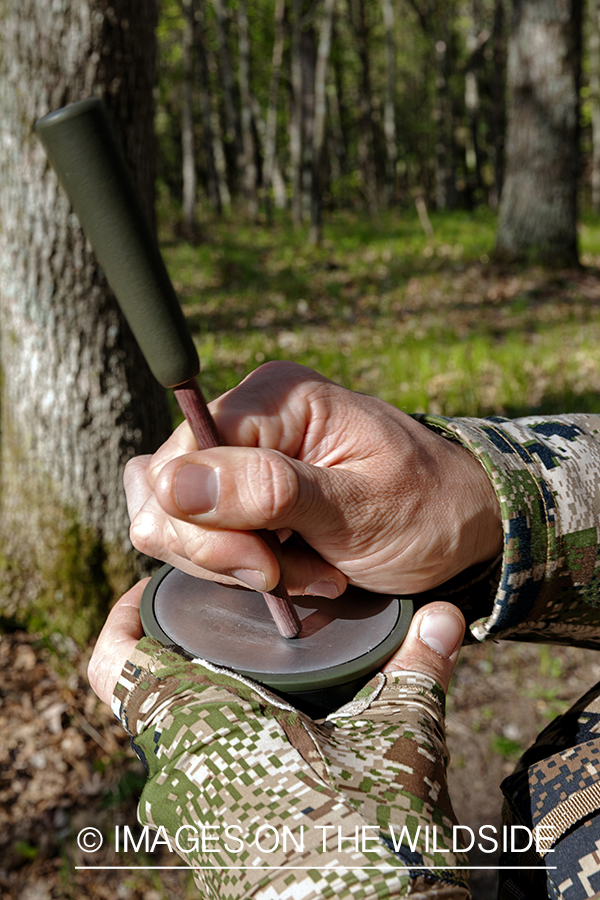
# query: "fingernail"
{"points": [[442, 632], [196, 489], [323, 589], [251, 578]]}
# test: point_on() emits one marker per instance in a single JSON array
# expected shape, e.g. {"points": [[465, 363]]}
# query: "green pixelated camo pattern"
{"points": [[222, 751], [546, 474]]}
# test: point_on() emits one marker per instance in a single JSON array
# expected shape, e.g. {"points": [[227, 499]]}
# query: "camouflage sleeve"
{"points": [[264, 802], [546, 474]]}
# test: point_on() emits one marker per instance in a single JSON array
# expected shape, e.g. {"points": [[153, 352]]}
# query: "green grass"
{"points": [[426, 325], [506, 747]]}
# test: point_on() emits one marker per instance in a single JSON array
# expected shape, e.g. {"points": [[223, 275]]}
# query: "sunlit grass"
{"points": [[425, 324]]}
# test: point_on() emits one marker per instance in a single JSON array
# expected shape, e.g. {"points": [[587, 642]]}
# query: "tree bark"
{"points": [[323, 52], [367, 141], [77, 399], [188, 155], [249, 170], [498, 95], [594, 64], [308, 60], [436, 18], [270, 143], [445, 186], [389, 109], [233, 129], [295, 126], [214, 195], [538, 211]]}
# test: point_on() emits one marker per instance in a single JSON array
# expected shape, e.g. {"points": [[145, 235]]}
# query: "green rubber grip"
{"points": [[84, 151]]}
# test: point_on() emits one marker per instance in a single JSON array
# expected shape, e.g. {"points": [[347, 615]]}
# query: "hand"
{"points": [[380, 500], [431, 645], [377, 766]]}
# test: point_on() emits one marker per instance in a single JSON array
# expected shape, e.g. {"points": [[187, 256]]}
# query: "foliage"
{"points": [[427, 325], [428, 107]]}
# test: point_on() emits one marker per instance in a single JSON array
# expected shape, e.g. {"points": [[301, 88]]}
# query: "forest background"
{"points": [[401, 194]]}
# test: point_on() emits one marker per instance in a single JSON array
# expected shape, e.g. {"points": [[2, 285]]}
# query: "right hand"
{"points": [[381, 501]]}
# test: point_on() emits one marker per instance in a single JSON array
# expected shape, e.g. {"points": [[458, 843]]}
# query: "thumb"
{"points": [[247, 488], [432, 643]]}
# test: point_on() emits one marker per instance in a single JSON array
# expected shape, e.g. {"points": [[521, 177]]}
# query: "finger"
{"points": [[432, 644], [135, 482], [304, 571], [182, 441], [272, 407], [233, 557], [251, 488], [121, 632]]}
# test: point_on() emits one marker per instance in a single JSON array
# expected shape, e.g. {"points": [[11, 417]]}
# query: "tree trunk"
{"points": [[338, 156], [77, 399], [220, 157], [270, 144], [538, 211], [436, 20], [277, 179], [389, 109], [233, 129], [367, 141], [476, 40], [498, 94], [249, 170], [594, 64], [445, 185], [323, 52], [214, 194], [188, 155], [308, 61], [295, 126]]}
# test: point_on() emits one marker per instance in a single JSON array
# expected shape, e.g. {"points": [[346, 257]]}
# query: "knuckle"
{"points": [[140, 539], [272, 487]]}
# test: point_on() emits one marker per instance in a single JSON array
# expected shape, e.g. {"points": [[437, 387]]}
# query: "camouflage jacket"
{"points": [[264, 802]]}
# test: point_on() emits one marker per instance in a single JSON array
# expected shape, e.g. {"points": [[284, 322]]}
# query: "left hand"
{"points": [[376, 766], [431, 645]]}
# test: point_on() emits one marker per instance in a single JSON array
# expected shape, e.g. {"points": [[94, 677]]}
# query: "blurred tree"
{"points": [[594, 97], [389, 116], [271, 174], [438, 21], [538, 210], [302, 115], [77, 399], [368, 143], [498, 103], [210, 135], [249, 167], [323, 52], [233, 128], [188, 152]]}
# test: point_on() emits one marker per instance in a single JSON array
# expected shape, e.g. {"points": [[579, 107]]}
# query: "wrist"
{"points": [[477, 510]]}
